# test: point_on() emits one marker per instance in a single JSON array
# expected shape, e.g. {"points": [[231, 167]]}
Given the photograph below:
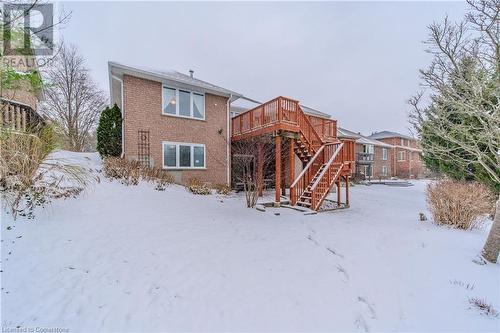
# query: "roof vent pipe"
{"points": [[191, 73]]}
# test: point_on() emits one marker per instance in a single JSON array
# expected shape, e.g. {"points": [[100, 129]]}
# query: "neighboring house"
{"points": [[405, 156], [186, 126], [372, 156]]}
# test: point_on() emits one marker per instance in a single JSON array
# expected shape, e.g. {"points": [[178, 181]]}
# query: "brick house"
{"points": [[372, 156], [405, 156], [174, 120], [385, 154], [187, 126]]}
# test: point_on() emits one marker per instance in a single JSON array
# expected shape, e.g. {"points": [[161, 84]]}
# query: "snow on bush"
{"points": [[459, 204], [223, 189], [30, 176], [196, 186], [132, 172]]}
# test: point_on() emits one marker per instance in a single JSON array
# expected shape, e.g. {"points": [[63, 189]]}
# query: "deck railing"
{"points": [[279, 112], [326, 128], [276, 111], [364, 158]]}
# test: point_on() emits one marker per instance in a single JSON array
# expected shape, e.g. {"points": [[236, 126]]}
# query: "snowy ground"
{"points": [[134, 259]]}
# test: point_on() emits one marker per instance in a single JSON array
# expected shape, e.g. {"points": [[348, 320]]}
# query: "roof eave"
{"points": [[128, 70]]}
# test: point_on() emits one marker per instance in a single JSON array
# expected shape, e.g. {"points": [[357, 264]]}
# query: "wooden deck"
{"points": [[327, 160]]}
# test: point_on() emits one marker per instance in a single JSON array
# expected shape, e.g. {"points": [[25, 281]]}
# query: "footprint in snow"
{"points": [[344, 273], [334, 252], [368, 307], [361, 324], [313, 240]]}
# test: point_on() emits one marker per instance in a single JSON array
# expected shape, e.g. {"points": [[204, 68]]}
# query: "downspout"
{"points": [[228, 148]]}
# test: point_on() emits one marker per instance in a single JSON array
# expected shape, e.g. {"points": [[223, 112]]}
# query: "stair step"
{"points": [[301, 203]]}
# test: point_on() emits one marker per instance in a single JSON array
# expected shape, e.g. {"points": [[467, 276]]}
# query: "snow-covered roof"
{"points": [[389, 134], [171, 75], [314, 112], [361, 139], [346, 134], [367, 141]]}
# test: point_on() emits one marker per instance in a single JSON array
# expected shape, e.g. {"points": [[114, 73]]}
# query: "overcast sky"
{"points": [[357, 61]]}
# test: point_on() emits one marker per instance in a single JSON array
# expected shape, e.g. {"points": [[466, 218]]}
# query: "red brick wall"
{"points": [[411, 167], [377, 162], [142, 108]]}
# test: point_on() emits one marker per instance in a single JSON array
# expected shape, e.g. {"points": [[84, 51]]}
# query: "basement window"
{"points": [[183, 103], [178, 155]]}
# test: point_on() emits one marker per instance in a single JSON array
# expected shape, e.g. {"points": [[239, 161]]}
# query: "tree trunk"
{"points": [[492, 246]]}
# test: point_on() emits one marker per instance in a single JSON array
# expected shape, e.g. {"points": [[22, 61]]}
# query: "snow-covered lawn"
{"points": [[123, 258]]}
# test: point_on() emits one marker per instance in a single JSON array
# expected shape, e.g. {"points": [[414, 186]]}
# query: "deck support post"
{"points": [[291, 160], [338, 192], [347, 191], [260, 168], [277, 183]]}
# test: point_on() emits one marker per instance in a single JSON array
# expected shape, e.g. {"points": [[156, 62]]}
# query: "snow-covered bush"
{"points": [[29, 177], [223, 189], [132, 172], [196, 186], [459, 204]]}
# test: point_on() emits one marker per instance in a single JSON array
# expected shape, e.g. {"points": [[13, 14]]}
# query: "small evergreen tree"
{"points": [[109, 132]]}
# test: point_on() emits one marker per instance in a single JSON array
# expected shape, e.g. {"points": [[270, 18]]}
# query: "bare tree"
{"points": [[73, 100], [252, 161], [461, 124]]}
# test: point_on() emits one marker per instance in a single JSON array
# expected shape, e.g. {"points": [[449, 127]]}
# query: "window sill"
{"points": [[182, 168], [182, 117]]}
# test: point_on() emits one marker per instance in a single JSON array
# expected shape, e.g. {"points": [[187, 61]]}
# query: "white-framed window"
{"points": [[368, 149], [401, 155], [183, 103], [384, 170], [367, 171], [384, 154], [405, 142], [178, 155]]}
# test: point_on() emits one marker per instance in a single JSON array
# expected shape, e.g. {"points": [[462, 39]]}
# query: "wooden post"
{"points": [[18, 118], [260, 167], [277, 199], [283, 173], [347, 191], [291, 157], [24, 121], [338, 192]]}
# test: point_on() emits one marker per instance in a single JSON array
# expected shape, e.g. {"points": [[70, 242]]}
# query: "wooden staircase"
{"points": [[326, 158], [315, 181]]}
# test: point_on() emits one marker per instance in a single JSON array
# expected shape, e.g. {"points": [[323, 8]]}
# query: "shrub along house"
{"points": [[186, 126]]}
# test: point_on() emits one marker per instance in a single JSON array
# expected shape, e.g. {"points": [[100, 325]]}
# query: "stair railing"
{"points": [[326, 178], [307, 130], [306, 175]]}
